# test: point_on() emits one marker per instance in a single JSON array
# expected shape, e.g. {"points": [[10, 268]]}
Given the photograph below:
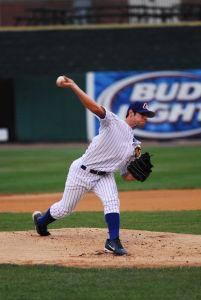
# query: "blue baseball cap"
{"points": [[142, 108]]}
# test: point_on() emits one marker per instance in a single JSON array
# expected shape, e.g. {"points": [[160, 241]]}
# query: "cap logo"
{"points": [[145, 106]]}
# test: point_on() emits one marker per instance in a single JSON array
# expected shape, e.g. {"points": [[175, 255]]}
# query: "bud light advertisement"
{"points": [[174, 96]]}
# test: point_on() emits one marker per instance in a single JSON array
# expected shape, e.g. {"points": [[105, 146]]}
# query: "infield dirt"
{"points": [[84, 247], [130, 201]]}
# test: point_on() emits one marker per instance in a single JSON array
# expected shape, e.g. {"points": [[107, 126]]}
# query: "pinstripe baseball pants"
{"points": [[78, 183]]}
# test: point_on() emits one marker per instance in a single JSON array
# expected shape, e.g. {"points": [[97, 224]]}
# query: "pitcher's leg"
{"points": [[74, 191], [71, 197], [106, 190]]}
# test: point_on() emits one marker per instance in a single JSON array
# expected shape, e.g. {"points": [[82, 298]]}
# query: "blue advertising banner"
{"points": [[175, 96]]}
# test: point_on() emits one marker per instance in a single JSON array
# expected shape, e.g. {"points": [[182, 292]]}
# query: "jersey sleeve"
{"points": [[123, 170], [136, 154], [109, 117]]}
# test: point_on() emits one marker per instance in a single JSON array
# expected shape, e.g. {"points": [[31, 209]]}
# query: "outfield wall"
{"points": [[31, 59], [48, 52], [47, 113]]}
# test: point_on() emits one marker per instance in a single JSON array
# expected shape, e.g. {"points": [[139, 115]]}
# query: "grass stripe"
{"points": [[51, 282], [45, 169], [164, 221]]}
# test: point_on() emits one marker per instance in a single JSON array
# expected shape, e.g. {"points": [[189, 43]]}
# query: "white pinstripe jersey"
{"points": [[113, 148]]}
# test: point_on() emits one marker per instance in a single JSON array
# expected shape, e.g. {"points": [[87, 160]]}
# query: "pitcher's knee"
{"points": [[111, 206], [57, 211]]}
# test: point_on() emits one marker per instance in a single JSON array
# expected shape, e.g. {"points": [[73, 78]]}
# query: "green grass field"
{"points": [[44, 170], [167, 221], [25, 170], [44, 282]]}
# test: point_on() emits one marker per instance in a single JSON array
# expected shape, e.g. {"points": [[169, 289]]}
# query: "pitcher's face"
{"points": [[136, 119], [140, 120]]}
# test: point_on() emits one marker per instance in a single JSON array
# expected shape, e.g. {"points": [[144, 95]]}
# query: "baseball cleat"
{"points": [[42, 230], [114, 246]]}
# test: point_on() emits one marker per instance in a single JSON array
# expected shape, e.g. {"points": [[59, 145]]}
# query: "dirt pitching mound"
{"points": [[84, 247]]}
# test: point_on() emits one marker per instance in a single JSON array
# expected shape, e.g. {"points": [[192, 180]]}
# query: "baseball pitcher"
{"points": [[114, 149]]}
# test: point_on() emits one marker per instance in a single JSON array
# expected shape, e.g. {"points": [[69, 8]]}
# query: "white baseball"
{"points": [[59, 80]]}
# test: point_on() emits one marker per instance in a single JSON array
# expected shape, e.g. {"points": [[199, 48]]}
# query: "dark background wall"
{"points": [[32, 59], [43, 52], [47, 113], [7, 107]]}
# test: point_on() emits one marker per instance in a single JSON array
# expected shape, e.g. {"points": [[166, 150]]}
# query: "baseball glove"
{"points": [[141, 167]]}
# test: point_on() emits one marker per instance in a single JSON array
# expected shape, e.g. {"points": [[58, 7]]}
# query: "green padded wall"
{"points": [[45, 112], [54, 51]]}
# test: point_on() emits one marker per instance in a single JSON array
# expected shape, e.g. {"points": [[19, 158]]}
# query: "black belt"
{"points": [[94, 171]]}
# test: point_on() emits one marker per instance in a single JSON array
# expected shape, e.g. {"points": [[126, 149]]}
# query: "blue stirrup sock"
{"points": [[46, 219], [113, 223]]}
